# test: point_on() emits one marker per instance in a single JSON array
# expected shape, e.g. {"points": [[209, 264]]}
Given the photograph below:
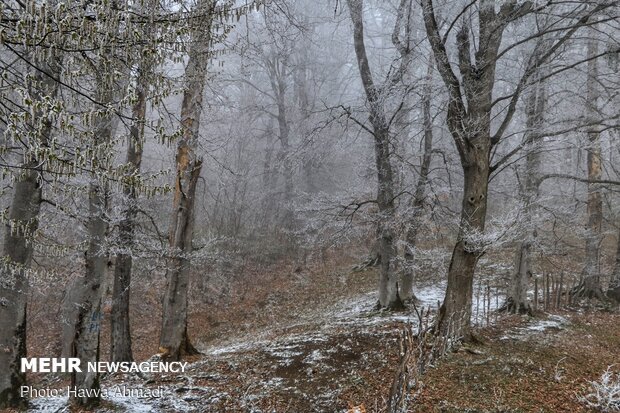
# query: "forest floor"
{"points": [[307, 356]]}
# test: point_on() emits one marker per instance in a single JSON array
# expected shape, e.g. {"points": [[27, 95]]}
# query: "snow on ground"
{"points": [[552, 322], [123, 404], [49, 404], [293, 357]]}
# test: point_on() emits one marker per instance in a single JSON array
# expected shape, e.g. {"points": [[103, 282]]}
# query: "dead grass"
{"points": [[540, 373]]}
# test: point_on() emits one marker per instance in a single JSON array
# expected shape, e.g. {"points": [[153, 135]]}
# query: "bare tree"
{"points": [[174, 341], [590, 285], [518, 301], [85, 342], [470, 107], [19, 232], [120, 335], [614, 284], [419, 195], [375, 95]]}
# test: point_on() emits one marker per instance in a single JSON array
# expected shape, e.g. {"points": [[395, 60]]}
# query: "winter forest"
{"points": [[317, 205]]}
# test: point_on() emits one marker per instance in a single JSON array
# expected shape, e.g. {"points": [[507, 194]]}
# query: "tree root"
{"points": [[510, 307], [584, 291]]}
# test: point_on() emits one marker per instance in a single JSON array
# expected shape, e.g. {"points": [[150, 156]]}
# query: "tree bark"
{"points": [[455, 312], [23, 216], [120, 327], [85, 342], [19, 235], [614, 284], [417, 205], [469, 122], [278, 74], [517, 301], [120, 335], [269, 180], [388, 278], [590, 285], [174, 341]]}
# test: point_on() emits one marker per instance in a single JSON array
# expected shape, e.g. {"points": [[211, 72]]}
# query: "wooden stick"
{"points": [[560, 282], [488, 304], [547, 302], [535, 294]]}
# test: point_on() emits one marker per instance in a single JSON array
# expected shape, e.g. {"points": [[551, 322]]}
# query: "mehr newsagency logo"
{"points": [[74, 365]]}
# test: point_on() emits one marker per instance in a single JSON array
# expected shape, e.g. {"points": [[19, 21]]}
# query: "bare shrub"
{"points": [[604, 395]]}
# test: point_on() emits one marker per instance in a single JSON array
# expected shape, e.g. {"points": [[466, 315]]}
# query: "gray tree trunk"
{"points": [[270, 178], [517, 301], [120, 334], [469, 122], [85, 342], [23, 215], [120, 327], [417, 204], [278, 74], [174, 341], [590, 285], [614, 284], [18, 248], [388, 277]]}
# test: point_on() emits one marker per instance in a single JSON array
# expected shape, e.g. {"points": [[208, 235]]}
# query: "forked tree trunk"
{"points": [[174, 341], [19, 232], [388, 277], [469, 121], [590, 285]]}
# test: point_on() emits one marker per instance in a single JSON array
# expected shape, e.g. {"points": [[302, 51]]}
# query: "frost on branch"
{"points": [[498, 231], [604, 395]]}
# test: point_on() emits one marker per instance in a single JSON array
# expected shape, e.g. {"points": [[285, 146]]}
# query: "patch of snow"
{"points": [[430, 295], [132, 404], [231, 348], [554, 321], [49, 404], [314, 357]]}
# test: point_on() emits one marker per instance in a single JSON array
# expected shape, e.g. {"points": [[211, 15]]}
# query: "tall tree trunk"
{"points": [[614, 284], [23, 222], [120, 335], [278, 74], [174, 341], [389, 296], [590, 285], [19, 232], [517, 301], [455, 312], [85, 342], [120, 328], [388, 278], [417, 203], [269, 180], [469, 120]]}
